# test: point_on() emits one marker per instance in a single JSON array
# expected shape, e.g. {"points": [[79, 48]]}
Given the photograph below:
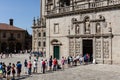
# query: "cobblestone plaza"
{"points": [[81, 72]]}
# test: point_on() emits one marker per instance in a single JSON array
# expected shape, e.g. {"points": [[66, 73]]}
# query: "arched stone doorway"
{"points": [[18, 47], [3, 46], [11, 47], [56, 48]]}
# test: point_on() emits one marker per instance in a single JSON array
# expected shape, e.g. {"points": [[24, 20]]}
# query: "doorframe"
{"points": [[91, 46], [54, 53]]}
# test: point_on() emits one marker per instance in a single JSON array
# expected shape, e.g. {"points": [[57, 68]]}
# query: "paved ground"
{"points": [[82, 72]]}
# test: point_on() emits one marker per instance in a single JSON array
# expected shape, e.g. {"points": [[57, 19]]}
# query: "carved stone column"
{"points": [[81, 45], [110, 52], [94, 48], [102, 55]]}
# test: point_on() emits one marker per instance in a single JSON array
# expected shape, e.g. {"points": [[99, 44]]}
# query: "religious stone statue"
{"points": [[98, 28], [87, 27], [77, 29]]}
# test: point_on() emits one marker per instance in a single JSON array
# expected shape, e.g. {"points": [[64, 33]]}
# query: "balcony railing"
{"points": [[91, 5], [81, 6]]}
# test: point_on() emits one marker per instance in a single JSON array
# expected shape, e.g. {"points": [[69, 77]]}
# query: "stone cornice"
{"points": [[90, 35], [96, 20]]}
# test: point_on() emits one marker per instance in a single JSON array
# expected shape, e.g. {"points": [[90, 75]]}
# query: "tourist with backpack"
{"points": [[63, 62], [19, 67], [8, 71], [25, 66], [43, 66], [54, 64], [29, 67]]}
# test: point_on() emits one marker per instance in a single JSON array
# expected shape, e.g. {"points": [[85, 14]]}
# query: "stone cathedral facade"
{"points": [[39, 35], [83, 26]]}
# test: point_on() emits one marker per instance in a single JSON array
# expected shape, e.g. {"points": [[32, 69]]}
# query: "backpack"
{"points": [[43, 63], [25, 64], [0, 67]]}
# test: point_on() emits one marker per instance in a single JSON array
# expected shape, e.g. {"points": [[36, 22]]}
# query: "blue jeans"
{"points": [[29, 71]]}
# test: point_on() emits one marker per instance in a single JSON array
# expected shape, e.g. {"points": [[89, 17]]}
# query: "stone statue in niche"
{"points": [[77, 29], [87, 26], [98, 28], [73, 20]]}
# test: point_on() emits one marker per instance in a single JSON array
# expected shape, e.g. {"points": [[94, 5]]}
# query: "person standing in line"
{"points": [[43, 66], [4, 70], [25, 66], [81, 60], [19, 67], [71, 61], [54, 64], [68, 61], [65, 65], [88, 57], [50, 63], [63, 62], [8, 71], [29, 67], [46, 64], [13, 71], [35, 66]]}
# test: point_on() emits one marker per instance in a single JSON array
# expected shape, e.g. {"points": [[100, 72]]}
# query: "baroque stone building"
{"points": [[14, 39], [82, 26]]}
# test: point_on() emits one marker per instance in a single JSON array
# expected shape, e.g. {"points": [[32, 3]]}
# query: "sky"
{"points": [[22, 11]]}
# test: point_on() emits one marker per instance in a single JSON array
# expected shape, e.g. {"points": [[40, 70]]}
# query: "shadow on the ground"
{"points": [[47, 72], [21, 77]]}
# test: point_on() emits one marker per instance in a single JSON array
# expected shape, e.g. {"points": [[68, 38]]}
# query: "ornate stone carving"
{"points": [[77, 46], [77, 29], [98, 49], [71, 47], [87, 25], [73, 20], [74, 46], [106, 49], [98, 28]]}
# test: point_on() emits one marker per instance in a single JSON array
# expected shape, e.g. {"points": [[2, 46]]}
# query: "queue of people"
{"points": [[10, 69], [52, 64]]}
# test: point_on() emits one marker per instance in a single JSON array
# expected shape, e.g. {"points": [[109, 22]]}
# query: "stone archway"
{"points": [[11, 47], [18, 47], [56, 48], [3, 47]]}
